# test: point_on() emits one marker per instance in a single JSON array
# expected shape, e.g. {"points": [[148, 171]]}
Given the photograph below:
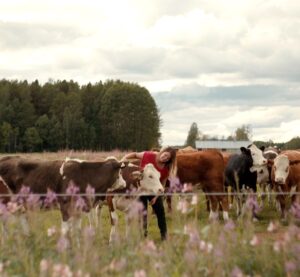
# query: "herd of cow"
{"points": [[215, 171]]}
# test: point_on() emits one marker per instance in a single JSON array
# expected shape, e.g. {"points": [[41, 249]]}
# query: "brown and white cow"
{"points": [[138, 182], [286, 177], [264, 179], [40, 175], [206, 168]]}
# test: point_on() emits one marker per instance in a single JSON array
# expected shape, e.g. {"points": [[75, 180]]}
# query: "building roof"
{"points": [[221, 144]]}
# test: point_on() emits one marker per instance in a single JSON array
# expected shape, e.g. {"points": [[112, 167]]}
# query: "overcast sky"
{"points": [[220, 64]]}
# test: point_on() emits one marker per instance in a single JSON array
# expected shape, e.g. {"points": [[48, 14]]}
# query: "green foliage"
{"points": [[32, 139], [129, 117], [193, 135], [243, 133], [61, 114], [294, 143]]}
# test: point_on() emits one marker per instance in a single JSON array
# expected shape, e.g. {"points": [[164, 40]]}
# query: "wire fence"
{"points": [[152, 194]]}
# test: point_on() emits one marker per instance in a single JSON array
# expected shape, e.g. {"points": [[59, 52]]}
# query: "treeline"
{"points": [[64, 115]]}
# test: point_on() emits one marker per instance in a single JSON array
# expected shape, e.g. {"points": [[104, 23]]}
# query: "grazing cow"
{"points": [[286, 177], [240, 172], [56, 176], [140, 182], [206, 168]]}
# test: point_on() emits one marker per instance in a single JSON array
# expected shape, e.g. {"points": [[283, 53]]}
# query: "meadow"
{"points": [[195, 246]]}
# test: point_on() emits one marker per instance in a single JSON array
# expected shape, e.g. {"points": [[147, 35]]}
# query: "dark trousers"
{"points": [[159, 210]]}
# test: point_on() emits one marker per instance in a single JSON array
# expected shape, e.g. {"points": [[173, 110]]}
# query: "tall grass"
{"points": [[195, 246]]}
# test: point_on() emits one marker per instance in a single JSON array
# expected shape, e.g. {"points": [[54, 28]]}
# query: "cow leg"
{"points": [[213, 215], [113, 218], [64, 209], [223, 202]]}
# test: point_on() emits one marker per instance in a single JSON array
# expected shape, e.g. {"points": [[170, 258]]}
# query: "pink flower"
{"points": [[272, 227], [62, 244], [44, 266], [194, 200], [276, 246], [90, 191], [72, 189], [51, 231], [50, 199], [12, 207], [236, 272], [33, 201], [149, 247], [80, 204], [229, 226], [254, 241], [140, 273], [135, 210], [182, 206], [117, 265], [290, 267], [89, 233]]}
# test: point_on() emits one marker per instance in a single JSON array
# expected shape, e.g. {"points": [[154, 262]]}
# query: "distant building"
{"points": [[222, 145]]}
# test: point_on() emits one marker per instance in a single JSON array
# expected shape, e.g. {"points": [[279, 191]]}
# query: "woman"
{"points": [[164, 161]]}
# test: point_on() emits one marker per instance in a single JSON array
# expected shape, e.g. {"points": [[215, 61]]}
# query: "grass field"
{"points": [[195, 246]]}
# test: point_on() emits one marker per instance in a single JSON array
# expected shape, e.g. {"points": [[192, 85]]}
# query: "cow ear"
{"points": [[245, 150], [262, 148]]}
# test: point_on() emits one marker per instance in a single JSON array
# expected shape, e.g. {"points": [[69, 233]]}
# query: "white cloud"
{"points": [[168, 46]]}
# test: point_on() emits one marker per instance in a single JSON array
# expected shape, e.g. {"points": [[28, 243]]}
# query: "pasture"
{"points": [[195, 246]]}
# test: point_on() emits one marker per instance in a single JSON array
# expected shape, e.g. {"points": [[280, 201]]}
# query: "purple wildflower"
{"points": [[252, 204], [290, 267], [175, 185], [236, 272], [33, 201], [90, 191], [80, 204], [23, 194], [140, 273], [3, 211], [135, 210], [50, 199], [89, 233], [62, 244], [72, 189], [229, 226], [295, 210], [117, 265]]}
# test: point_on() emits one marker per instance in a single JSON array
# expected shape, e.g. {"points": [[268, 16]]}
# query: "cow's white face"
{"points": [[119, 183], [262, 174], [281, 168], [257, 156], [149, 180]]}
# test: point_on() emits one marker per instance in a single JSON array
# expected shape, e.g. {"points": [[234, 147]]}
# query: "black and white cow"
{"points": [[240, 171]]}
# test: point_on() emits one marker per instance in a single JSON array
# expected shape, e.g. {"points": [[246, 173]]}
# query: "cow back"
{"points": [[200, 167]]}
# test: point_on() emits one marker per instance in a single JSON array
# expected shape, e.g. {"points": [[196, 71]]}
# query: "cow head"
{"points": [[281, 169], [262, 175], [256, 155], [149, 179], [119, 181]]}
